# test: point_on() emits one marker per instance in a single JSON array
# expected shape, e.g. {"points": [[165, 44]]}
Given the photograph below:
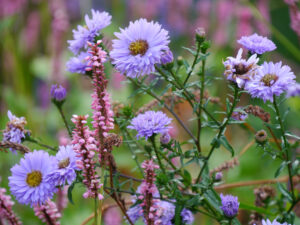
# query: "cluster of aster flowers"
{"points": [[102, 113], [261, 81], [6, 211], [48, 213], [150, 123], [14, 131], [84, 146], [82, 36]]}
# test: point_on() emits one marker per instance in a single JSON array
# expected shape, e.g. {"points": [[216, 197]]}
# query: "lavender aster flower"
{"points": [[272, 79], [14, 131], [240, 70], [165, 212], [187, 216], [27, 182], [293, 90], [135, 213], [58, 92], [78, 64], [94, 25], [149, 123], [139, 47], [257, 44], [65, 166], [230, 205], [268, 222]]}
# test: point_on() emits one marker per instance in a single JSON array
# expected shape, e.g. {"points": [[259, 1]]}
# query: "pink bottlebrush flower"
{"points": [[294, 15], [61, 199], [48, 213], [117, 79], [84, 146], [103, 120], [11, 7], [112, 216], [263, 7], [6, 211], [31, 31], [148, 189]]}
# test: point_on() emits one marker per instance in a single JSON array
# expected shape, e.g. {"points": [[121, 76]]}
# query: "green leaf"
{"points": [[281, 167], [254, 208], [225, 143], [193, 52], [70, 189], [284, 192], [187, 178]]}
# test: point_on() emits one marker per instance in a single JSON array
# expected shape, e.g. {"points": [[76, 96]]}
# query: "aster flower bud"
{"points": [[179, 61], [200, 34], [230, 205], [218, 176], [165, 138], [167, 57], [261, 137], [58, 93]]}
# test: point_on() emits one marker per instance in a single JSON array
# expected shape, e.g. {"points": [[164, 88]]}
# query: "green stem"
{"points": [[59, 107], [152, 139], [32, 140], [235, 100], [96, 212], [194, 63], [286, 147]]}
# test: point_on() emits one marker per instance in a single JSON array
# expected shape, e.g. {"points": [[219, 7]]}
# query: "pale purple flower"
{"points": [[230, 205], [240, 70], [272, 79], [14, 131], [149, 123], [27, 182], [257, 44], [78, 64], [187, 216], [84, 34], [268, 222], [218, 176], [165, 212], [139, 47], [135, 213], [167, 57], [293, 90], [58, 92], [65, 166]]}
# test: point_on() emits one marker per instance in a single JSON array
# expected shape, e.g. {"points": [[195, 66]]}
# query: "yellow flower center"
{"points": [[64, 163], [268, 78], [34, 178], [138, 47]]}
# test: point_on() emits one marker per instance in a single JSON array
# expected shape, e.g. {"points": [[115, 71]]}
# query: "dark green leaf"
{"points": [[225, 143]]}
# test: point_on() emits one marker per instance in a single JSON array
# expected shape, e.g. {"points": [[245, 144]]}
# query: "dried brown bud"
{"points": [[7, 144], [262, 194], [226, 166], [256, 219], [261, 136], [112, 140], [258, 112]]}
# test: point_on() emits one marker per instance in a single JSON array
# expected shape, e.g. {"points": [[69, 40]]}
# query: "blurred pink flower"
{"points": [[112, 216], [244, 17], [203, 12], [10, 7], [32, 29], [63, 138], [263, 7], [294, 15], [116, 80]]}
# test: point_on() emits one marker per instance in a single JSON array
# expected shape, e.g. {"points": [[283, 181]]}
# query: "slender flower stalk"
{"points": [[6, 211], [48, 213]]}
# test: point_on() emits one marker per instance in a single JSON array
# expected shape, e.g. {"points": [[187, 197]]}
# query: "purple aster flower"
{"points": [[87, 33], [293, 90], [58, 92], [65, 166], [268, 222], [257, 44], [165, 138], [218, 176], [27, 182], [230, 205], [14, 131], [149, 123], [139, 47], [240, 70], [187, 216], [167, 57], [272, 79], [165, 212], [239, 114], [135, 213], [78, 64]]}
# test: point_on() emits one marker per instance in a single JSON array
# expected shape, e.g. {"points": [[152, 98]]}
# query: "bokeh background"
{"points": [[33, 53]]}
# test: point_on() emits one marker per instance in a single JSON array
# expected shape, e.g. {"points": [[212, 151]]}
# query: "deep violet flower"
{"points": [[230, 205], [58, 92], [257, 44]]}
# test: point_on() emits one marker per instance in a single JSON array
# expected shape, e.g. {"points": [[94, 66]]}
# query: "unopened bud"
{"points": [[200, 35], [179, 61], [165, 138], [218, 176]]}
